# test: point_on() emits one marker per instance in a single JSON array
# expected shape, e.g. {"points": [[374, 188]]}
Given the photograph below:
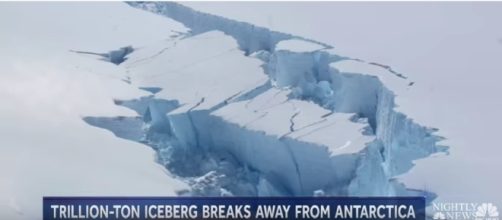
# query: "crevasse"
{"points": [[250, 38], [242, 162], [398, 140]]}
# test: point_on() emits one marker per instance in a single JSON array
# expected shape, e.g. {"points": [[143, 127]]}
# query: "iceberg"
{"points": [[273, 121]]}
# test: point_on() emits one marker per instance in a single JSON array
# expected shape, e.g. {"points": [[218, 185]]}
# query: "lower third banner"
{"points": [[234, 208]]}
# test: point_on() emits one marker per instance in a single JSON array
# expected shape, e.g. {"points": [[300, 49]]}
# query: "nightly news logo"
{"points": [[483, 211]]}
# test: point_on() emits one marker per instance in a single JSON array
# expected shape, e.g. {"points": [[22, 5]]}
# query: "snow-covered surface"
{"points": [[197, 68], [46, 149], [231, 108], [450, 50], [307, 121], [297, 45]]}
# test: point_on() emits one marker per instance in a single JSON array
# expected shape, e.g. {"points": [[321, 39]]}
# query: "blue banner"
{"points": [[234, 208]]}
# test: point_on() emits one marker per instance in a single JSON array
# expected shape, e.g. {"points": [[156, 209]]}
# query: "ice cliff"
{"points": [[237, 109]]}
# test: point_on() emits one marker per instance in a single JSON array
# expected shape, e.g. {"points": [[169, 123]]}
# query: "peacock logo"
{"points": [[487, 211], [439, 215]]}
